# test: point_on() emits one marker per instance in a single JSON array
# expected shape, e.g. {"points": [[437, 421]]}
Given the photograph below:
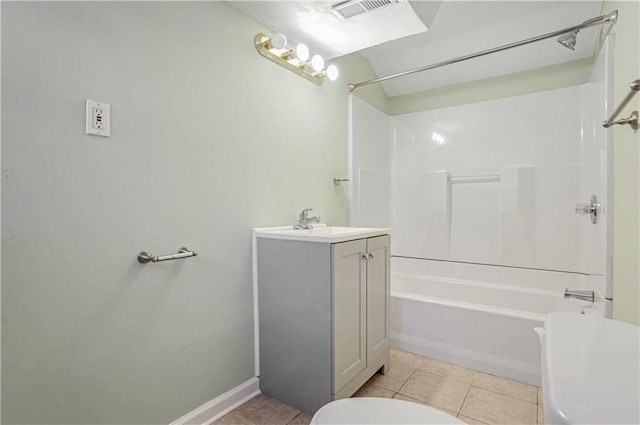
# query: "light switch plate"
{"points": [[98, 118]]}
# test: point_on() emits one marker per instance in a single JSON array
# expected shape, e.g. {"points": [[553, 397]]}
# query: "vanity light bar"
{"points": [[287, 58]]}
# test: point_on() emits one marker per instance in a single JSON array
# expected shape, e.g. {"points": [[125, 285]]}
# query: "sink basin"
{"points": [[321, 233]]}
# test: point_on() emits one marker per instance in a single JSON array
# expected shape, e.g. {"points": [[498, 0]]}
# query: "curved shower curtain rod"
{"points": [[611, 17]]}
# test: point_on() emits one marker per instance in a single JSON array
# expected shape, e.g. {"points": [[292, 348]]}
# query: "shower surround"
{"points": [[481, 200]]}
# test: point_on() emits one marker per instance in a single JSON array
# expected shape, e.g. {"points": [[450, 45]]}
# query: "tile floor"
{"points": [[474, 397]]}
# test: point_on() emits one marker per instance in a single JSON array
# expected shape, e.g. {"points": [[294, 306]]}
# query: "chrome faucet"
{"points": [[304, 221], [580, 295]]}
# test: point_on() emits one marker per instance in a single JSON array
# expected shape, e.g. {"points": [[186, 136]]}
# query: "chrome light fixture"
{"points": [[295, 60]]}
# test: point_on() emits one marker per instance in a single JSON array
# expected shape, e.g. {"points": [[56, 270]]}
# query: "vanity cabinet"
{"points": [[323, 316]]}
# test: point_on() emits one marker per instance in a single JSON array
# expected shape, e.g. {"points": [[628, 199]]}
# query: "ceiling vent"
{"points": [[350, 8]]}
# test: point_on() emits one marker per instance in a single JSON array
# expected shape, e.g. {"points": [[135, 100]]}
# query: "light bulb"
{"points": [[278, 40], [302, 52], [332, 72], [317, 63]]}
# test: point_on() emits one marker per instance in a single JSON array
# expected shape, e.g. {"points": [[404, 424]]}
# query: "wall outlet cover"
{"points": [[98, 118]]}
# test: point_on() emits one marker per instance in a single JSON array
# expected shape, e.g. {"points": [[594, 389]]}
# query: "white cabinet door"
{"points": [[350, 310], [378, 287]]}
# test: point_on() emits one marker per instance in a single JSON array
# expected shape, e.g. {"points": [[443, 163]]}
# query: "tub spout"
{"points": [[580, 295]]}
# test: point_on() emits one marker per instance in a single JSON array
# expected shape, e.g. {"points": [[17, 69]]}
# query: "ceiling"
{"points": [[314, 23], [455, 28]]}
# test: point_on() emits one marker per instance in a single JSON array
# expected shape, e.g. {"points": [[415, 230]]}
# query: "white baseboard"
{"points": [[221, 405]]}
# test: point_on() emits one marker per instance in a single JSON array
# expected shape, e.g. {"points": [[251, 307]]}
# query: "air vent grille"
{"points": [[374, 4], [351, 8]]}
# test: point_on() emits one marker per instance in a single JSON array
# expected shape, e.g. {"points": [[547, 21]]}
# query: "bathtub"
{"points": [[480, 317]]}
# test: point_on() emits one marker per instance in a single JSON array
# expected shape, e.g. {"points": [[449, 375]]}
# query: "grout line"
{"points": [[502, 378], [408, 377], [405, 381], [506, 395], [373, 384], [429, 404], [294, 418], [463, 400], [471, 417], [470, 384], [441, 376]]}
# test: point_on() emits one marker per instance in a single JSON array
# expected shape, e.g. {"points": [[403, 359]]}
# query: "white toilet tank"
{"points": [[590, 370]]}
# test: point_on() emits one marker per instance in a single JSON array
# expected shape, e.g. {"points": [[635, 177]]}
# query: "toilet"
{"points": [[370, 410], [590, 370]]}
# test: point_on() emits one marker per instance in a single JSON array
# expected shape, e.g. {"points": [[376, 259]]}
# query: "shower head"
{"points": [[569, 40]]}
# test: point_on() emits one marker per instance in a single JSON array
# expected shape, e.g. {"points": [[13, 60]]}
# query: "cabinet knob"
{"points": [[371, 256], [364, 257]]}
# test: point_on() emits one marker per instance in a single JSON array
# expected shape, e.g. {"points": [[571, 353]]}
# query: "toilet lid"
{"points": [[370, 410]]}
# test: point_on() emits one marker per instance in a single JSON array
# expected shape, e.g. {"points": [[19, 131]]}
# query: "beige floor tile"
{"points": [[405, 398], [433, 366], [506, 386], [232, 419], [260, 410], [435, 390], [497, 409], [470, 421], [371, 390], [448, 370], [394, 378], [302, 419], [407, 359]]}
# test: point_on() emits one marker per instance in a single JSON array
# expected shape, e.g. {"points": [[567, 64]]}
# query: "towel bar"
{"points": [[337, 181], [633, 118], [144, 257], [487, 178]]}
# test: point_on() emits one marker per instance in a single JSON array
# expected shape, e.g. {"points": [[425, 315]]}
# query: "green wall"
{"points": [[530, 81], [209, 139]]}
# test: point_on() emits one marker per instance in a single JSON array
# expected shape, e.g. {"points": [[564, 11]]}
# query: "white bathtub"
{"points": [[481, 317]]}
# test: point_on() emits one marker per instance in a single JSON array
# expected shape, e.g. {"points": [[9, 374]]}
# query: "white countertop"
{"points": [[321, 233]]}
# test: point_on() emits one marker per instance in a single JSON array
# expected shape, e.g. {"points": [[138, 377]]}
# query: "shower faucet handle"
{"points": [[583, 209], [592, 209]]}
